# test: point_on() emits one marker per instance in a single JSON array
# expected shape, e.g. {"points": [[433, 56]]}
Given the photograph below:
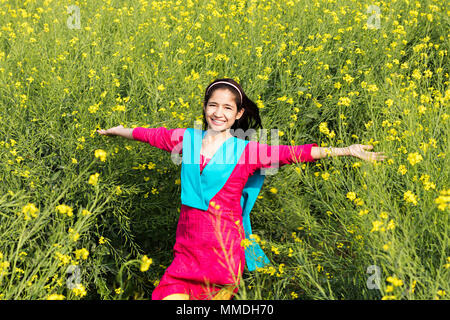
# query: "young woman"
{"points": [[220, 179]]}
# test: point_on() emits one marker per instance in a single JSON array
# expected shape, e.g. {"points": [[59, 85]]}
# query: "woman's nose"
{"points": [[218, 112]]}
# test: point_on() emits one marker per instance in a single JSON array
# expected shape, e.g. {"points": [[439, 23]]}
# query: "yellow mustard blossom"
{"points": [[29, 209], [344, 101], [82, 253], [101, 154], [93, 179], [245, 243], [409, 196], [395, 281], [255, 238], [79, 290], [443, 200], [85, 212], [402, 169], [145, 263], [376, 226], [55, 296], [63, 258], [325, 176], [351, 196], [74, 235], [275, 250], [64, 209], [414, 158]]}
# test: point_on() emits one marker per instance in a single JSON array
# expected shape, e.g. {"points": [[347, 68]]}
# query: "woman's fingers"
{"points": [[361, 151], [105, 132], [110, 131]]}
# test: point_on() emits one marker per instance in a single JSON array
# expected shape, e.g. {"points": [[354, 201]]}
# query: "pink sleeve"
{"points": [[266, 156], [161, 137]]}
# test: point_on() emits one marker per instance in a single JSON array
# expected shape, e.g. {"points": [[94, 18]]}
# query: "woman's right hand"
{"points": [[111, 131]]}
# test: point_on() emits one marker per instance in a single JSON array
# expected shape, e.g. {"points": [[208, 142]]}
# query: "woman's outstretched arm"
{"points": [[170, 140], [118, 131], [355, 150]]}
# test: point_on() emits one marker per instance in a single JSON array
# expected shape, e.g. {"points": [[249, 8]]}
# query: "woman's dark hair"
{"points": [[250, 119]]}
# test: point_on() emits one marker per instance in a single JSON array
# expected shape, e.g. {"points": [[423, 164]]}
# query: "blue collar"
{"points": [[197, 189]]}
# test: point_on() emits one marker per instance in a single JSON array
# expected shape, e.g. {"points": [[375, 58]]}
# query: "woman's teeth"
{"points": [[218, 122]]}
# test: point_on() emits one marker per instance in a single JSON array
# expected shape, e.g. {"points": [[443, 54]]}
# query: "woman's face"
{"points": [[221, 110]]}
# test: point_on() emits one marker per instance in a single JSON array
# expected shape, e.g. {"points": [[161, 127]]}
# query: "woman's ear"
{"points": [[240, 113]]}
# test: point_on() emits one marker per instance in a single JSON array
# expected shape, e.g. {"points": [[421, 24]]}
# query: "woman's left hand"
{"points": [[359, 151]]}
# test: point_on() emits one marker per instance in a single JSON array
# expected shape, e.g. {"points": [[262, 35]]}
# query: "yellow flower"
{"points": [[255, 238], [79, 290], [74, 160], [384, 215], [402, 169], [323, 128], [416, 74], [245, 243], [118, 290], [390, 225], [376, 226], [344, 101], [101, 240], [395, 281], [63, 209], [325, 176], [63, 258], [30, 209], [275, 250], [290, 252], [55, 296], [93, 179], [145, 263], [443, 200], [414, 158], [441, 293], [363, 212], [351, 196], [410, 197], [273, 190], [101, 154], [81, 254], [348, 78], [75, 236], [85, 212]]}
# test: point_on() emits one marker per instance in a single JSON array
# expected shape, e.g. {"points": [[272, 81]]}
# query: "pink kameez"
{"points": [[208, 253]]}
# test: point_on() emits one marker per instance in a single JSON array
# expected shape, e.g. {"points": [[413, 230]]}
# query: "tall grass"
{"points": [[320, 72]]}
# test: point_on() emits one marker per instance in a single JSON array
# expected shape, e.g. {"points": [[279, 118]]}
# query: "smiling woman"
{"points": [[218, 193]]}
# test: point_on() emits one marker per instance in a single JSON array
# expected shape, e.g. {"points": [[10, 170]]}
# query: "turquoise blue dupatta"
{"points": [[197, 189]]}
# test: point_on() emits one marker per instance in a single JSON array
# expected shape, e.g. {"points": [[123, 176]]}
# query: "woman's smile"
{"points": [[221, 110], [217, 122]]}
